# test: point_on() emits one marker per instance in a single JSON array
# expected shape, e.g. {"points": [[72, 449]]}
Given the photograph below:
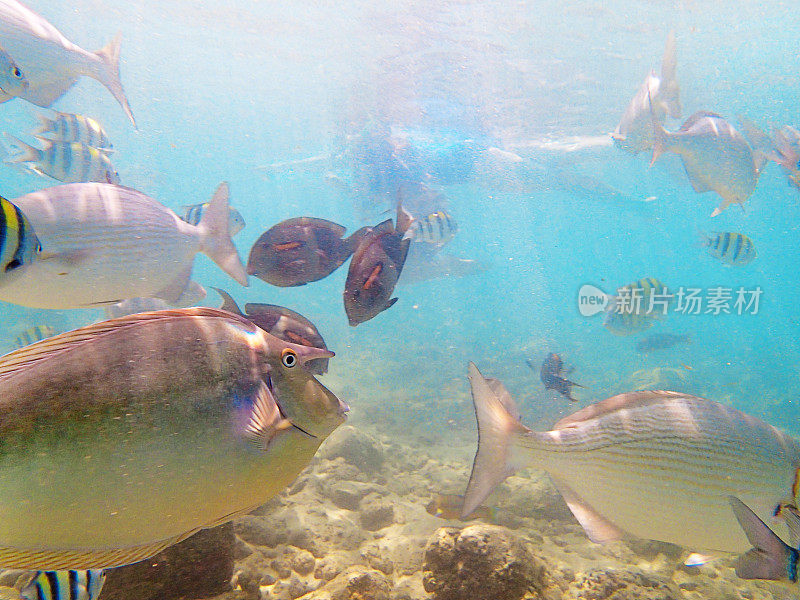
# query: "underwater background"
{"points": [[232, 91]]}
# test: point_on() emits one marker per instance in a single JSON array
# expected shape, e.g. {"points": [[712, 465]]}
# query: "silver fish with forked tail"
{"points": [[104, 243], [124, 437], [50, 62], [656, 465]]}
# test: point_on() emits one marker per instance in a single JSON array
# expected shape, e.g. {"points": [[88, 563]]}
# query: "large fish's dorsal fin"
{"points": [[228, 303], [46, 348], [700, 114], [613, 404], [334, 228], [599, 529], [770, 557]]}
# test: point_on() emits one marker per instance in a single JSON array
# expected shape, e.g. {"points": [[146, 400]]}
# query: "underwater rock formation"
{"points": [[356, 447], [479, 562]]}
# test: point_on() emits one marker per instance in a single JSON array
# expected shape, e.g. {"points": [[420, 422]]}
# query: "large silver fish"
{"points": [[104, 243], [124, 437], [634, 133], [50, 62], [654, 465], [715, 155]]}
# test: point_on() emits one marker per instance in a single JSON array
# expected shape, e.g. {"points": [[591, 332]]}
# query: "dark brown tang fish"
{"points": [[283, 323], [375, 269], [300, 250], [552, 376]]}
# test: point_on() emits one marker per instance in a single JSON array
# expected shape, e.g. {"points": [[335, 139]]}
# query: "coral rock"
{"points": [[357, 448], [605, 584]]}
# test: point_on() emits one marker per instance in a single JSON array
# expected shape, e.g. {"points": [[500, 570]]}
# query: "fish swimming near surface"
{"points": [[50, 62], [661, 341], [283, 323], [715, 155], [69, 162], [69, 127], [551, 373], [770, 557], [734, 249], [64, 585], [634, 133], [783, 148], [192, 215], [438, 229], [374, 270], [134, 419], [614, 461], [448, 506], [12, 79], [34, 334], [19, 244], [636, 306], [300, 250], [105, 243]]}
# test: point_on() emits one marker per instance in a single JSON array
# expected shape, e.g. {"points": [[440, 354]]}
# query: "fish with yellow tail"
{"points": [[615, 460], [19, 245], [636, 306], [715, 155], [732, 248], [134, 419], [634, 133]]}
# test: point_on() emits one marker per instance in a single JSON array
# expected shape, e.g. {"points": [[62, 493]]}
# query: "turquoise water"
{"points": [[222, 90]]}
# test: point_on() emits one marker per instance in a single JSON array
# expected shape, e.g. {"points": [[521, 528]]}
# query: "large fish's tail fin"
{"points": [[108, 73], [498, 423], [669, 91], [770, 557], [217, 243], [20, 152]]}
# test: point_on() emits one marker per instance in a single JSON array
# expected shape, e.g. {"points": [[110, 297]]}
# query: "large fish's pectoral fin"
{"points": [[175, 289], [496, 429], [770, 557], [68, 258], [597, 527], [266, 421], [46, 93]]}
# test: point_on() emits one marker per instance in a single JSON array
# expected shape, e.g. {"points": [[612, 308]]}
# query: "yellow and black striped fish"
{"points": [[192, 215], [69, 162], [636, 306], [34, 334], [735, 249], [437, 228], [18, 243], [69, 127], [64, 585]]}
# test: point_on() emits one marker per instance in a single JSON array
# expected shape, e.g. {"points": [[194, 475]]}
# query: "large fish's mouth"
{"points": [[281, 410]]}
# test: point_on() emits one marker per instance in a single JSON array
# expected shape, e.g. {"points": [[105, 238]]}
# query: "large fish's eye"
{"points": [[17, 72], [288, 358]]}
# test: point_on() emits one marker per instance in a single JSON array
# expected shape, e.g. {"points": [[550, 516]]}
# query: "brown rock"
{"points": [[480, 562], [356, 447], [376, 512], [607, 584], [356, 583], [198, 567]]}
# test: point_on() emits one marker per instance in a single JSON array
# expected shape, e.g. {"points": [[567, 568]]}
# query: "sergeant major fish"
{"points": [[715, 155], [19, 244], [50, 62], [69, 127], [615, 460], [105, 243], [64, 585], [552, 375], [661, 341], [374, 270], [283, 323], [735, 249], [34, 334], [636, 306], [12, 79], [194, 213], [134, 419], [68, 162], [634, 133], [438, 229]]}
